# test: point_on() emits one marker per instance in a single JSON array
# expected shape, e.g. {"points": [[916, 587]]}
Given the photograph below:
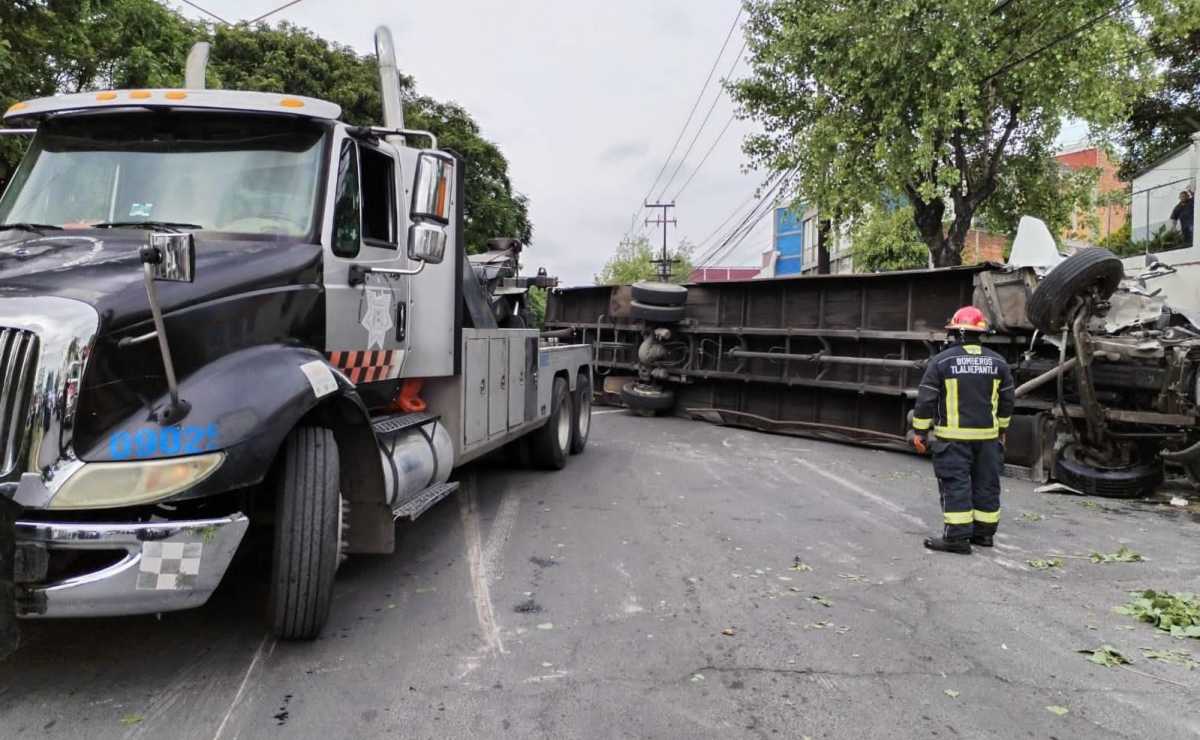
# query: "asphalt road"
{"points": [[592, 603]]}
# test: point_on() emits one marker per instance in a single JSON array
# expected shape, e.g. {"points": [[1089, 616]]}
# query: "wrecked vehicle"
{"points": [[1107, 369], [227, 310]]}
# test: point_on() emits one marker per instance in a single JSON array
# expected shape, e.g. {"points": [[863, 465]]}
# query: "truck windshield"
{"points": [[242, 174]]}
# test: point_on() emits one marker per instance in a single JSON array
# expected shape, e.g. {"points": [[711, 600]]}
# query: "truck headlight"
{"points": [[113, 484]]}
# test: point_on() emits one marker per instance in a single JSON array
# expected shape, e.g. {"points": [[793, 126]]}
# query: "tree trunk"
{"points": [[928, 219]]}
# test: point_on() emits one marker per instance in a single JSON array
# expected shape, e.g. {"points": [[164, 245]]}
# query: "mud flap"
{"points": [[9, 636]]}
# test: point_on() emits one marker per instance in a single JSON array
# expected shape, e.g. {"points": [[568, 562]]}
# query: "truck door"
{"points": [[366, 314]]}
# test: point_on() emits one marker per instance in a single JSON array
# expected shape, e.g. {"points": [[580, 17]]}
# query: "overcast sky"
{"points": [[585, 100]]}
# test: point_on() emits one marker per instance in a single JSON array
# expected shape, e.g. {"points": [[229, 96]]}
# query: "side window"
{"points": [[347, 228], [379, 198]]}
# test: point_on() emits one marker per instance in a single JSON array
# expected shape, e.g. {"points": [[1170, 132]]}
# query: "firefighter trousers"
{"points": [[968, 476]]}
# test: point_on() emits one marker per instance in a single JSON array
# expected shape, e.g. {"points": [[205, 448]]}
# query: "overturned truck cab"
{"points": [[225, 313]]}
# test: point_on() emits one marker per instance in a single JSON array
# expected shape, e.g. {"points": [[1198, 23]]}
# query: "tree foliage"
{"points": [[937, 99], [887, 239], [1037, 185], [1164, 118], [634, 261], [63, 46]]}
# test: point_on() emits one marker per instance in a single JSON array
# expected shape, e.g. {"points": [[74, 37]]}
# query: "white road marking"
{"points": [[268, 643], [484, 610], [851, 486], [502, 527]]}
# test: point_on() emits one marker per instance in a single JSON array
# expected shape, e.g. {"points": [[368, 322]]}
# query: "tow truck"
{"points": [[222, 310]]}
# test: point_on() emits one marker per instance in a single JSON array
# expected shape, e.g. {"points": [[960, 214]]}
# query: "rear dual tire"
{"points": [[550, 444]]}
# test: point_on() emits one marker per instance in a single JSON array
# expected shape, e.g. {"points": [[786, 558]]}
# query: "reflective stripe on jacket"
{"points": [[967, 393]]}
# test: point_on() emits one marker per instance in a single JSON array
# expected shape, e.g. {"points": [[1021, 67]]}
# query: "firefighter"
{"points": [[966, 397]]}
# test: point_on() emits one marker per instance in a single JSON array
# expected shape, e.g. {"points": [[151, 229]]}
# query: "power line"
{"points": [[679, 165], [699, 96], [1004, 68], [751, 218], [266, 15], [206, 11], [754, 195], [705, 157]]}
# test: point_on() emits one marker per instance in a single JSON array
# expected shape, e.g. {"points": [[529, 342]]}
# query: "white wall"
{"points": [[1181, 290], [1156, 191]]}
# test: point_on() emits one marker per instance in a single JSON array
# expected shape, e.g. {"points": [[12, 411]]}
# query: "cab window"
{"points": [[347, 227], [378, 197]]}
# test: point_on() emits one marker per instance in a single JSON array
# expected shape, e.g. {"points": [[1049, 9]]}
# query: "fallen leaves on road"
{"points": [[821, 600], [853, 577], [1122, 555], [1178, 657], [1089, 504], [800, 566], [130, 720], [951, 693], [1177, 613], [1055, 709], [1031, 516], [729, 632], [1106, 655], [1045, 564]]}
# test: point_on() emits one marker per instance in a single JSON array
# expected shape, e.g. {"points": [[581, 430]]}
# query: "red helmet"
{"points": [[968, 318]]}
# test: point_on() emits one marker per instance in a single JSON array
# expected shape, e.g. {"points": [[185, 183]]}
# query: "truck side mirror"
{"points": [[171, 257], [427, 243], [435, 179]]}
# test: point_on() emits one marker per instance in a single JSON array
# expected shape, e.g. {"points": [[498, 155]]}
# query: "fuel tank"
{"points": [[415, 457]]}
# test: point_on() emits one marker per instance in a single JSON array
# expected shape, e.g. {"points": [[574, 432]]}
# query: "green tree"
{"points": [[886, 239], [634, 261], [1038, 185], [1163, 119], [934, 99]]}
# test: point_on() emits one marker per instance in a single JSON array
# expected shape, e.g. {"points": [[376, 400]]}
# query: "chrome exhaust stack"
{"points": [[389, 79], [197, 63]]}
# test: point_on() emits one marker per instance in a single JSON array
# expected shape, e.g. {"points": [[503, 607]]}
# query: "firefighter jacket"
{"points": [[967, 393]]}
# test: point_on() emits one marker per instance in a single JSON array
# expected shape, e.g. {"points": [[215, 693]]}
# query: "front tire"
{"points": [[306, 551], [550, 444]]}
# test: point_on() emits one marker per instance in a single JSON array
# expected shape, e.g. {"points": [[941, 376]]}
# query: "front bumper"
{"points": [[165, 566]]}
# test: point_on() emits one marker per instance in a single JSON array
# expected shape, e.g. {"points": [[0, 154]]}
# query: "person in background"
{"points": [[1183, 216]]}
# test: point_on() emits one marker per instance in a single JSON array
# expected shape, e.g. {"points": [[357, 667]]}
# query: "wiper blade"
{"points": [[31, 228], [171, 225]]}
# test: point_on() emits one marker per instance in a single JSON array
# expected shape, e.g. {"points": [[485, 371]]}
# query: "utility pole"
{"points": [[664, 262]]}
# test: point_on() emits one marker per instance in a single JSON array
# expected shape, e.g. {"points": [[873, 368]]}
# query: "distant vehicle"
{"points": [[225, 309]]}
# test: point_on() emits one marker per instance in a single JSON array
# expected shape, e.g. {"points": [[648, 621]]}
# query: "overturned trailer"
{"points": [[1107, 371]]}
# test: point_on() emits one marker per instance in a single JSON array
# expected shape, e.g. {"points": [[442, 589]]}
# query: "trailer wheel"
{"points": [[581, 412], [660, 294], [651, 312], [1088, 268], [307, 540], [1132, 481], [646, 399], [550, 444]]}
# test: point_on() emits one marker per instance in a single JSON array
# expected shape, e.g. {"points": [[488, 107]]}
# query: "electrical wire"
{"points": [[206, 11], [704, 159], [739, 234], [699, 96], [716, 99], [738, 209], [1009, 66], [268, 14]]}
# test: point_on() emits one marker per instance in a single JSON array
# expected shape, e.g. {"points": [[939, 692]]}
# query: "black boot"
{"points": [[960, 547], [982, 540]]}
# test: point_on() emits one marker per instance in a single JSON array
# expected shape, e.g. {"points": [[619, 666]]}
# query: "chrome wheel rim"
{"points": [[564, 424], [585, 413]]}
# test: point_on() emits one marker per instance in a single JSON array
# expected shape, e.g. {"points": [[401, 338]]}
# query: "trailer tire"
{"points": [[581, 413], [307, 540], [550, 444], [645, 399], [660, 294], [1088, 268], [651, 312], [1132, 481]]}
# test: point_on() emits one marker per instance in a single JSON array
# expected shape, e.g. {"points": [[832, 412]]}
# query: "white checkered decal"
{"points": [[169, 566]]}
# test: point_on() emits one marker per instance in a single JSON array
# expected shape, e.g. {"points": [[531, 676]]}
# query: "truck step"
{"points": [[399, 422], [417, 504]]}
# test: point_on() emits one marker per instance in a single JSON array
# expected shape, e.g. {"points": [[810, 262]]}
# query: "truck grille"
{"points": [[18, 363]]}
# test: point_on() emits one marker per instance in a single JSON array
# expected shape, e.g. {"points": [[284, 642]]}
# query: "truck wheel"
{"points": [[660, 294], [650, 312], [549, 445], [647, 400], [307, 540], [581, 412], [1132, 481], [1087, 268]]}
